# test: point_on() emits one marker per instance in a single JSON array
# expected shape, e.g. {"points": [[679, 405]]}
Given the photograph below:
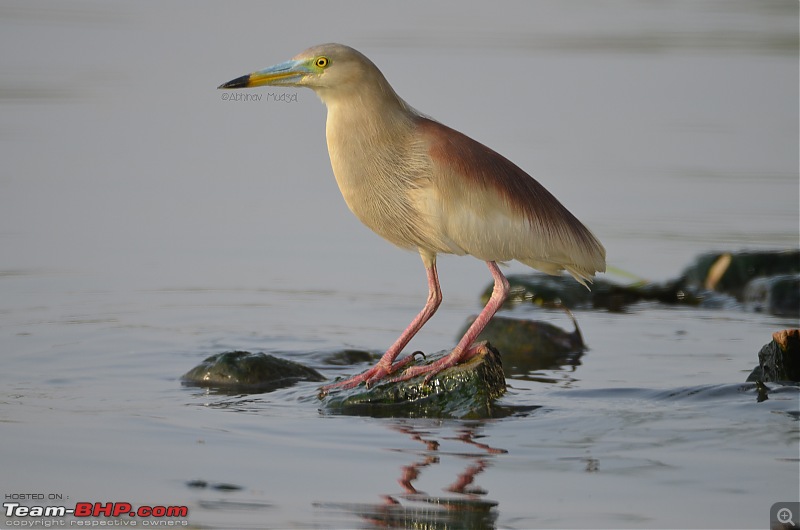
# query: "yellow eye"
{"points": [[322, 62]]}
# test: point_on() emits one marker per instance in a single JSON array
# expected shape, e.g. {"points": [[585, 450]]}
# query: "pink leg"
{"points": [[386, 364], [464, 349]]}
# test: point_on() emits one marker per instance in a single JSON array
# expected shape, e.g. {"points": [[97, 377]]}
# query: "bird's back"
{"points": [[486, 206]]}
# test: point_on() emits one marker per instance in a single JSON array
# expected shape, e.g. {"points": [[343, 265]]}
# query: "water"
{"points": [[145, 223]]}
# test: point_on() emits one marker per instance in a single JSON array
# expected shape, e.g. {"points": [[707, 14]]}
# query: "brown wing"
{"points": [[495, 211]]}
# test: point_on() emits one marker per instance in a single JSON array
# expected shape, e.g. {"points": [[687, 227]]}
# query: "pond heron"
{"points": [[422, 185]]}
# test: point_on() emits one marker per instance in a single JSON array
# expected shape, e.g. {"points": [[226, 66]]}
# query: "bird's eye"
{"points": [[322, 62]]}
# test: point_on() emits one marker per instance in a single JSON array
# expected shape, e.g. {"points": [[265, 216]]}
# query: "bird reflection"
{"points": [[413, 508]]}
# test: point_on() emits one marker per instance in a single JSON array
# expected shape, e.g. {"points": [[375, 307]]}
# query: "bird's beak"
{"points": [[283, 74]]}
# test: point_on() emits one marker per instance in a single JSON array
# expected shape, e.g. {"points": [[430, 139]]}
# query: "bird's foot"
{"points": [[371, 376], [452, 359], [399, 365]]}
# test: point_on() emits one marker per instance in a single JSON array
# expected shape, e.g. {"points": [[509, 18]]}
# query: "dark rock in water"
{"points": [[729, 272], [349, 357], [243, 371], [714, 280], [776, 295], [563, 291], [544, 290], [530, 345], [466, 390], [617, 298], [779, 361]]}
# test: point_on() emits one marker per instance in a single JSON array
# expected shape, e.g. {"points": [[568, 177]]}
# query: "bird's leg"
{"points": [[387, 365], [465, 349]]}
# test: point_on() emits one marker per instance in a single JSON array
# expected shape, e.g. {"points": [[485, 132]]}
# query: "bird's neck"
{"points": [[365, 127], [369, 135], [371, 115]]}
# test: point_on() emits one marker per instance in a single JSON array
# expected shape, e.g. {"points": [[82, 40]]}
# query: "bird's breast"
{"points": [[378, 176]]}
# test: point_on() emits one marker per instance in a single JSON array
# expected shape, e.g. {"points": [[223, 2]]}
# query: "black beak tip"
{"points": [[239, 82]]}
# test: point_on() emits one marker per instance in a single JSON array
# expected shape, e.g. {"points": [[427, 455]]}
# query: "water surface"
{"points": [[146, 223]]}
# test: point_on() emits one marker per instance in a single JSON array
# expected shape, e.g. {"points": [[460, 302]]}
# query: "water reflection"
{"points": [[470, 507]]}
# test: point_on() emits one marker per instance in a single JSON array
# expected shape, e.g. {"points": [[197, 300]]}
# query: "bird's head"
{"points": [[323, 68]]}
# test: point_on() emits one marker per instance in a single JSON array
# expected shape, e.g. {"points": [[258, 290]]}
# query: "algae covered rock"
{"points": [[712, 280], [531, 345], [729, 272], [243, 371], [348, 356], [544, 290], [467, 390], [779, 361], [776, 295], [563, 291]]}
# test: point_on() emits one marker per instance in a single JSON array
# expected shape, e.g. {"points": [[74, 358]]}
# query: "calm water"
{"points": [[145, 223]]}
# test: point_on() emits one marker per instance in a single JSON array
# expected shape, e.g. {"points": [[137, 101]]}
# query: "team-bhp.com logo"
{"points": [[86, 512]]}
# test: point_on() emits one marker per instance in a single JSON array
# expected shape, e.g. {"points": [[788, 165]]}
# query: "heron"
{"points": [[426, 187]]}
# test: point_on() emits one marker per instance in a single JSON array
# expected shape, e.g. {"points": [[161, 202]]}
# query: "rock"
{"points": [[713, 280], [349, 357], [543, 290], [563, 291], [242, 371], [776, 295], [530, 345], [728, 272], [466, 390], [779, 361]]}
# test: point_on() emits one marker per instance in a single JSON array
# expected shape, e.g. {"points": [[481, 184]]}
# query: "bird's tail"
{"points": [[581, 274]]}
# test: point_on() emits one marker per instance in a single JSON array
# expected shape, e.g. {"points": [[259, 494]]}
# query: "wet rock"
{"points": [[729, 272], [349, 357], [544, 290], [530, 345], [713, 280], [243, 371], [563, 291], [466, 390], [776, 295], [779, 361]]}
